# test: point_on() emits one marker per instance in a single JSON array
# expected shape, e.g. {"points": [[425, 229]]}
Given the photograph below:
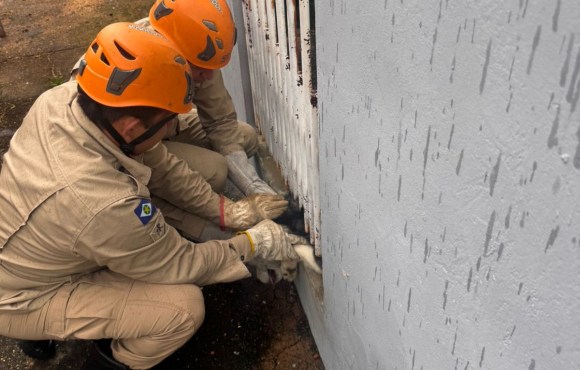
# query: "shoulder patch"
{"points": [[145, 211]]}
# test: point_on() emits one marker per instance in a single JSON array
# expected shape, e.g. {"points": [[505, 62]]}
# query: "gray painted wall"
{"points": [[450, 184], [236, 73]]}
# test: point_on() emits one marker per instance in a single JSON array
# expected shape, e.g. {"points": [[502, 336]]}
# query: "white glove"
{"points": [[249, 211], [270, 242], [244, 175]]}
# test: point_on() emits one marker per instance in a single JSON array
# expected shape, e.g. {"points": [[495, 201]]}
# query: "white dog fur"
{"points": [[272, 272]]}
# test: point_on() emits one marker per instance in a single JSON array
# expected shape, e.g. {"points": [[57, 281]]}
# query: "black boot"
{"points": [[38, 349], [101, 357]]}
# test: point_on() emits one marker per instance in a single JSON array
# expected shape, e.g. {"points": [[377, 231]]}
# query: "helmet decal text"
{"points": [[216, 5], [145, 29]]}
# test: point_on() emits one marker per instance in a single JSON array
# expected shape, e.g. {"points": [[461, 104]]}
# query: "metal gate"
{"points": [[281, 54]]}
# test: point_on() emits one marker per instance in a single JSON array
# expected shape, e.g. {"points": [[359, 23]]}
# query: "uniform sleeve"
{"points": [[218, 116], [173, 180], [132, 238]]}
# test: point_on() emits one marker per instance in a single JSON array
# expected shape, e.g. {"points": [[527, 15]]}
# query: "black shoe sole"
{"points": [[38, 349]]}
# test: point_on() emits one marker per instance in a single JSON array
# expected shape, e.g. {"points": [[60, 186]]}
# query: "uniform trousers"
{"points": [[147, 322]]}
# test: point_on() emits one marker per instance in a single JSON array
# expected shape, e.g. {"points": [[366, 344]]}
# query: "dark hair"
{"points": [[99, 113]]}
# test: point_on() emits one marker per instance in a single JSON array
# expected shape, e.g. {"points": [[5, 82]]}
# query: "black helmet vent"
{"points": [[82, 66], [120, 79], [209, 51], [189, 93], [210, 25], [124, 52], [161, 11], [104, 59], [179, 59]]}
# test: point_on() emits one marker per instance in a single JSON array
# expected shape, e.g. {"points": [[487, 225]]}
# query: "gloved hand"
{"points": [[249, 211], [270, 242], [244, 175]]}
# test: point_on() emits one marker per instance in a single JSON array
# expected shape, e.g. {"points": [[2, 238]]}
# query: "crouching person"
{"points": [[84, 252]]}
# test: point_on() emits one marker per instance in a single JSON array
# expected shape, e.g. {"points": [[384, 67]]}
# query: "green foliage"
{"points": [[56, 80]]}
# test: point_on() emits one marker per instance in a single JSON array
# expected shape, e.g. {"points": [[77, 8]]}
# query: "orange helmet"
{"points": [[203, 30], [128, 65]]}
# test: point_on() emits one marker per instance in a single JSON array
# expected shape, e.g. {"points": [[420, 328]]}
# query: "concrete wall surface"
{"points": [[450, 184], [236, 74]]}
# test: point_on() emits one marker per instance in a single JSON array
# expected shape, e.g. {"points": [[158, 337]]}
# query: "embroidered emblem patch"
{"points": [[145, 211], [159, 229]]}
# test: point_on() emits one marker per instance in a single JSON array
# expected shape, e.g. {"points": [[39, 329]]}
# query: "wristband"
{"points": [[222, 216], [252, 247]]}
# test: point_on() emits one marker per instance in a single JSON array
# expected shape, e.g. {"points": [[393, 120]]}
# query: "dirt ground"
{"points": [[248, 325]]}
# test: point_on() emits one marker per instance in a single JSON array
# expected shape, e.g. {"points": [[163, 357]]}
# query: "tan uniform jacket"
{"points": [[72, 203]]}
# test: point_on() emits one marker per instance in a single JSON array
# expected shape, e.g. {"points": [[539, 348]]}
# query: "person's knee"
{"points": [[250, 137], [212, 166], [182, 311], [192, 303], [217, 173], [160, 319]]}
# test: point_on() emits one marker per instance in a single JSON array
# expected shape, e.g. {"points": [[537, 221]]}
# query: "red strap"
{"points": [[222, 217]]}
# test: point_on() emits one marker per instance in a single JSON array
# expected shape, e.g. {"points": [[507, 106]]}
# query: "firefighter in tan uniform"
{"points": [[84, 252], [209, 138]]}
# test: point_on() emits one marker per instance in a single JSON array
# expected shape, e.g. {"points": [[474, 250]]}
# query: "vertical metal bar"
{"points": [[295, 104], [311, 133], [273, 91], [279, 39]]}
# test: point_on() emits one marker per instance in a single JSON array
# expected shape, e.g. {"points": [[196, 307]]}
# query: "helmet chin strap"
{"points": [[129, 148]]}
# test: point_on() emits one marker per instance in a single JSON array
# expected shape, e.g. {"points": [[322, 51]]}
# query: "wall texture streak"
{"points": [[450, 183]]}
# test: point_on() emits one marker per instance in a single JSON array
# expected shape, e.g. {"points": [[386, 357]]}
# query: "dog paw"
{"points": [[306, 253]]}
